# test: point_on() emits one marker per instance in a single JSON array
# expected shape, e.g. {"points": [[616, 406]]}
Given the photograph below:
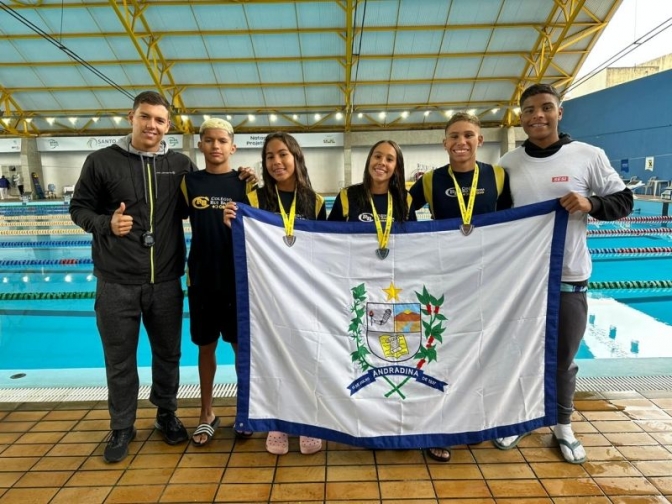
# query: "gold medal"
{"points": [[383, 236], [466, 227], [288, 220]]}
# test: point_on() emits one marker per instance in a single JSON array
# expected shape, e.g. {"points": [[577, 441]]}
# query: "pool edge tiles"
{"points": [[627, 367], [95, 377]]}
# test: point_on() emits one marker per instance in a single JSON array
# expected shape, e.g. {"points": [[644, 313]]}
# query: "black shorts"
{"points": [[211, 314]]}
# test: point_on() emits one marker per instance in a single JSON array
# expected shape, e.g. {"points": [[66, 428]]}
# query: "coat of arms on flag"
{"points": [[450, 339], [394, 340]]}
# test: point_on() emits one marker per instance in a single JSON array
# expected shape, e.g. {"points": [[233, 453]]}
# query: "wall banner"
{"points": [[306, 140], [91, 143], [10, 145]]}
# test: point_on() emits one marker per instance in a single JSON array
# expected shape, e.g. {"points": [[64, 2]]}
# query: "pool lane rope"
{"points": [[632, 250], [650, 218], [629, 232], [45, 244], [59, 224], [45, 262], [55, 231], [51, 244], [631, 284], [44, 296], [32, 232], [40, 296]]}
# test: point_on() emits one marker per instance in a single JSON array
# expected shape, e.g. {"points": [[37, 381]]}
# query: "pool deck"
{"points": [[51, 453]]}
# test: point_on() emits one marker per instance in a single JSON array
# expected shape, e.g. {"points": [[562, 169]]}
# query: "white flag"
{"points": [[450, 339]]}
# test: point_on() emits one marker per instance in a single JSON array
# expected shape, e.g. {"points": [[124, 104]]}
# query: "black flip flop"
{"points": [[439, 458], [242, 434]]}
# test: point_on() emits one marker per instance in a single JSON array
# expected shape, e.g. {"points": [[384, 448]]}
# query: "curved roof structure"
{"points": [[73, 66]]}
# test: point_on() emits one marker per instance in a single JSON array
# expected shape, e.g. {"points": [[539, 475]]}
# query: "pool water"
{"points": [[46, 333]]}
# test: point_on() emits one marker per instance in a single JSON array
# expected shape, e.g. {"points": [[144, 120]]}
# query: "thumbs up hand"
{"points": [[121, 224]]}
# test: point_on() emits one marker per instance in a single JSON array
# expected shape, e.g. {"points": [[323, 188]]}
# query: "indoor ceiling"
{"points": [[70, 67]]}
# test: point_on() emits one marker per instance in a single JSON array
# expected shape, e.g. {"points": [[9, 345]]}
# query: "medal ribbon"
{"points": [[383, 236], [287, 220], [469, 210]]}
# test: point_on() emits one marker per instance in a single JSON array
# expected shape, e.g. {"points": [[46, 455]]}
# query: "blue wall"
{"points": [[631, 121]]}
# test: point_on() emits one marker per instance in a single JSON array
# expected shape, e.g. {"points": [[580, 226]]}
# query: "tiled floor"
{"points": [[51, 453]]}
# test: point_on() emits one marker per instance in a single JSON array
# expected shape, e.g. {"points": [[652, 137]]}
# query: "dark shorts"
{"points": [[211, 314]]}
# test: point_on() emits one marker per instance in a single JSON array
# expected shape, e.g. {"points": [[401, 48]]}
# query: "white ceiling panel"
{"points": [[229, 46], [281, 72], [325, 44], [373, 70], [213, 18], [239, 73], [410, 93], [212, 98], [418, 42], [165, 20], [457, 68], [19, 77], [329, 71], [451, 93], [405, 68], [183, 47], [327, 96], [465, 41]]}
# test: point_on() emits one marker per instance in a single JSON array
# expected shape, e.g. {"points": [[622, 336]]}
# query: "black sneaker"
{"points": [[117, 445], [170, 426]]}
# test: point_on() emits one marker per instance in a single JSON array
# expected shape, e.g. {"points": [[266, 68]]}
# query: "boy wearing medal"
{"points": [[464, 187], [461, 189]]}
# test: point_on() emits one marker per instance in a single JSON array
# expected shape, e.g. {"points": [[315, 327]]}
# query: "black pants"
{"points": [[119, 310], [572, 325]]}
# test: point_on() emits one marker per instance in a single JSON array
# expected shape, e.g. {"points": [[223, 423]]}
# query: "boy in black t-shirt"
{"points": [[210, 275], [463, 188], [439, 188]]}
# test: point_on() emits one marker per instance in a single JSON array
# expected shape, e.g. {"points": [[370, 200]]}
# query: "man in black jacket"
{"points": [[127, 196]]}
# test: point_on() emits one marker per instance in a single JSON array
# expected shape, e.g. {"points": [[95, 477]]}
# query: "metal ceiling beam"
{"points": [[438, 107], [278, 85], [593, 34], [152, 57], [169, 3], [244, 127], [13, 120], [292, 31], [553, 36], [348, 87], [285, 59]]}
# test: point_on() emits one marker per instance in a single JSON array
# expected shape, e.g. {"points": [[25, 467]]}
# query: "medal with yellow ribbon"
{"points": [[466, 227], [288, 220], [383, 236]]}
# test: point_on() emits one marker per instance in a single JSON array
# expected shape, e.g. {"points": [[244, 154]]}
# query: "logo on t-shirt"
{"points": [[450, 192], [216, 202], [200, 202], [563, 178], [367, 217]]}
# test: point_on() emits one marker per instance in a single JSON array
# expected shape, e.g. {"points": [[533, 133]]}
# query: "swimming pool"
{"points": [[47, 320]]}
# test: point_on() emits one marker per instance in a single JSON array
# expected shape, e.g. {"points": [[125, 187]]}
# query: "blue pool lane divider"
{"points": [[635, 284]]}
